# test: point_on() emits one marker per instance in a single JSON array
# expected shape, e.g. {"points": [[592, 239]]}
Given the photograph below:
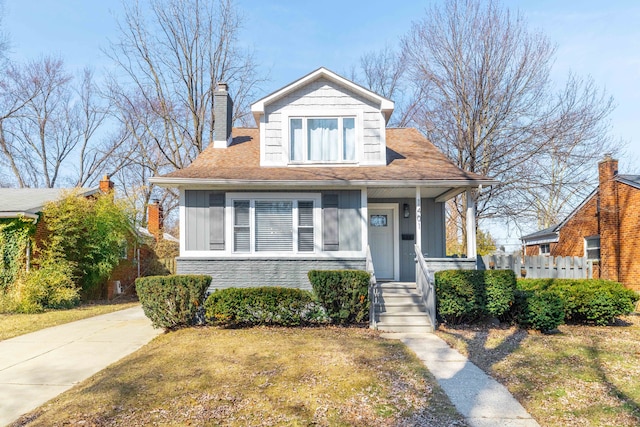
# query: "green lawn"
{"points": [[12, 325], [581, 376], [258, 377]]}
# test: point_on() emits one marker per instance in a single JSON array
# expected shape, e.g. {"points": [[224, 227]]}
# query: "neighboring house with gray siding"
{"points": [[321, 180]]}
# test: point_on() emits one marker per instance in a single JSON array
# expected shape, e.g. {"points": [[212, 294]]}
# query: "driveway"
{"points": [[36, 367]]}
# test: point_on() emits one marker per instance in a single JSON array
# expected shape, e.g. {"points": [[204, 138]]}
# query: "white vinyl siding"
{"points": [[319, 99]]}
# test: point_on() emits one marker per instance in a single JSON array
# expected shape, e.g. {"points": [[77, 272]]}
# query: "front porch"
{"points": [[401, 219]]}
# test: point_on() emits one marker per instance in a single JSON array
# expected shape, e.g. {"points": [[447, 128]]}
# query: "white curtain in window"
{"points": [[323, 139], [349, 138], [297, 140]]}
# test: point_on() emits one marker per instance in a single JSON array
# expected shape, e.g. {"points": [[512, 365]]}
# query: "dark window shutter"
{"points": [[216, 221], [330, 229]]}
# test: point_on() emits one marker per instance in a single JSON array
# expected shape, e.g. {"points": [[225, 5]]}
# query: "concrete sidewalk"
{"points": [[479, 398], [36, 367]]}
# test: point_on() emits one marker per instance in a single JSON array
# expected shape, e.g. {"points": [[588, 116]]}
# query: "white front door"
{"points": [[383, 240]]}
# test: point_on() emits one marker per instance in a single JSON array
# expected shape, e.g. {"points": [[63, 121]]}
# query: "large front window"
{"points": [[274, 225], [322, 139]]}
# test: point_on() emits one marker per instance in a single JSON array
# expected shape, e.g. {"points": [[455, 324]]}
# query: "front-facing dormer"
{"points": [[322, 119]]}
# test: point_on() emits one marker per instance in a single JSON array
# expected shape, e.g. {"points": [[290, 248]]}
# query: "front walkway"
{"points": [[36, 367], [479, 398]]}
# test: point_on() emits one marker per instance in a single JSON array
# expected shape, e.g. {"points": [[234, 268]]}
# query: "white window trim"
{"points": [[540, 252], [599, 247], [317, 218], [294, 197], [320, 114]]}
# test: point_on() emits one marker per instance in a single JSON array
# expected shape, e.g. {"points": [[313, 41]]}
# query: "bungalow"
{"points": [[605, 228], [319, 184]]}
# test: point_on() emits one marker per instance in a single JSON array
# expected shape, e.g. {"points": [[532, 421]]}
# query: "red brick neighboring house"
{"points": [[605, 227], [138, 257]]}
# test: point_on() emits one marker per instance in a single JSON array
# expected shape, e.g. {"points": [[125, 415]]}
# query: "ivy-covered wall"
{"points": [[14, 238]]}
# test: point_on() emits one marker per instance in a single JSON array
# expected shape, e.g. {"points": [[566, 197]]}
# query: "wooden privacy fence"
{"points": [[540, 266]]}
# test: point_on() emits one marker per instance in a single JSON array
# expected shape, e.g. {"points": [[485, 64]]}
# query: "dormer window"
{"points": [[322, 139]]}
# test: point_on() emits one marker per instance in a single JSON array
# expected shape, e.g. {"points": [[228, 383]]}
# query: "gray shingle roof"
{"points": [[28, 202]]}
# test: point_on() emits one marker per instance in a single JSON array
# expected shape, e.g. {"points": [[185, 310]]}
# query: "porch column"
{"points": [[471, 224], [418, 218]]}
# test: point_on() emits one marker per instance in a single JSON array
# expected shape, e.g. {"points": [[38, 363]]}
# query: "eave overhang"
{"points": [[168, 182]]}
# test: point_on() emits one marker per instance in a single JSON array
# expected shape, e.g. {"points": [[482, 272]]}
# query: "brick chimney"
{"points": [[608, 221], [106, 185], [155, 219], [223, 109]]}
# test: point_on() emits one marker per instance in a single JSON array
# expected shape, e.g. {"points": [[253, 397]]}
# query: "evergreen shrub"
{"points": [[344, 294], [262, 306], [470, 295], [539, 310], [172, 302], [588, 301]]}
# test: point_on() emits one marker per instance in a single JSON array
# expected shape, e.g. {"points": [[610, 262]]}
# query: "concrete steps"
{"points": [[400, 309]]}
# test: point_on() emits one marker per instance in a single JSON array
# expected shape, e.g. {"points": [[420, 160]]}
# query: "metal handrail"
{"points": [[425, 283], [373, 290]]}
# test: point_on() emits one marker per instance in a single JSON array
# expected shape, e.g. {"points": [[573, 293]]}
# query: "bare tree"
{"points": [[40, 136], [97, 152], [171, 54], [488, 103], [384, 72]]}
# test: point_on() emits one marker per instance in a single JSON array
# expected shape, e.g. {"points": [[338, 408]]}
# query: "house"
{"points": [[605, 228], [316, 185], [26, 204], [138, 256]]}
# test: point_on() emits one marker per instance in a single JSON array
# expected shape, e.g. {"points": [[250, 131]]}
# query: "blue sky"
{"points": [[292, 38], [594, 38]]}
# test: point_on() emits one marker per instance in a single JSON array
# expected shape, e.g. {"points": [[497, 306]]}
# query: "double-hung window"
{"points": [[274, 225], [545, 249], [592, 247], [322, 139]]}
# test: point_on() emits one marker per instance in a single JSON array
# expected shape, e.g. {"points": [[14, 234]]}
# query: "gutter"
{"points": [[16, 214], [195, 182]]}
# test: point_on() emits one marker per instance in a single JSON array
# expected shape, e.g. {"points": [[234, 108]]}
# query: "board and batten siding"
{"points": [[433, 233], [322, 95], [205, 228]]}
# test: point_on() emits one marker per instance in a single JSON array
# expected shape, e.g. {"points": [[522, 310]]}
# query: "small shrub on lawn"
{"points": [[262, 306], [344, 294], [588, 301], [500, 286], [50, 286], [172, 302], [469, 295], [539, 310]]}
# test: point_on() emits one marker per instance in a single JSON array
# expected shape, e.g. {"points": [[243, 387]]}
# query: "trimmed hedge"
{"points": [[344, 294], [262, 306], [469, 295], [172, 302], [587, 301], [539, 310]]}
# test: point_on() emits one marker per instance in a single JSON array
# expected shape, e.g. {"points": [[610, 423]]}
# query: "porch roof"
{"points": [[412, 161]]}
